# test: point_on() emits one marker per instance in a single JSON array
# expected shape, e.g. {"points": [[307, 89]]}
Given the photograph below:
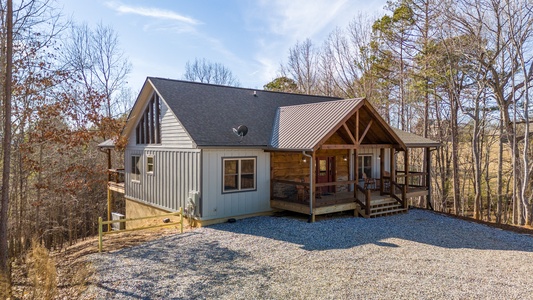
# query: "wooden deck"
{"points": [[116, 186], [380, 205]]}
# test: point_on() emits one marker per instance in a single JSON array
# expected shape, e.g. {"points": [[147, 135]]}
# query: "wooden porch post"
{"points": [[406, 180], [428, 177], [312, 181], [392, 171], [355, 171], [381, 171], [108, 208]]}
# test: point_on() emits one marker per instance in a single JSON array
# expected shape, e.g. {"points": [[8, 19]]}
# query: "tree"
{"points": [[281, 84], [209, 72], [6, 157], [94, 58], [302, 66]]}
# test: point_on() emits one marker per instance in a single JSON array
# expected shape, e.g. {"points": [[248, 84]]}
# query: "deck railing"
{"points": [[298, 191], [115, 175]]}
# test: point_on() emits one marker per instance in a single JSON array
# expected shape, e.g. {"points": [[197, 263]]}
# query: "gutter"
{"points": [[311, 186]]}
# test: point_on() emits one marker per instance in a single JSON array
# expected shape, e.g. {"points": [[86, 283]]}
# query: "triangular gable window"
{"points": [[148, 129]]}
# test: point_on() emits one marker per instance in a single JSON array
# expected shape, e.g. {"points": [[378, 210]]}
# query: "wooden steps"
{"points": [[384, 207]]}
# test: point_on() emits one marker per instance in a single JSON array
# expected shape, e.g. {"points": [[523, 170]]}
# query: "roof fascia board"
{"points": [[384, 124], [336, 127], [138, 108], [173, 114]]}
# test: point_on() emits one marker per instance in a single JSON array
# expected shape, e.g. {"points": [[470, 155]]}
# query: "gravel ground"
{"points": [[419, 255]]}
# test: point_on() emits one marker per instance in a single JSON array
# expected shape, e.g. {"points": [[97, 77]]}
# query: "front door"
{"points": [[325, 172]]}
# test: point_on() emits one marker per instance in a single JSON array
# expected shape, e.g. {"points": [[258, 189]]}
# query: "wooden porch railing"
{"points": [[115, 175], [298, 191]]}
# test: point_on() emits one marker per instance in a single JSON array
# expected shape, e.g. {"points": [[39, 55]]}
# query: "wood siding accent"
{"points": [[176, 173], [216, 204]]}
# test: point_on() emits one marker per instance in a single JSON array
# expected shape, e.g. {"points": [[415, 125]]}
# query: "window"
{"points": [[239, 174], [365, 165], [135, 168], [150, 164], [148, 130]]}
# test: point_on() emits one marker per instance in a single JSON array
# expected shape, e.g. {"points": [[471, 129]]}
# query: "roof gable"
{"points": [[210, 112], [302, 127], [308, 127]]}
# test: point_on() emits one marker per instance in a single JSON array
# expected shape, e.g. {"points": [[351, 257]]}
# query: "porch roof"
{"points": [[107, 144], [302, 127], [415, 141]]}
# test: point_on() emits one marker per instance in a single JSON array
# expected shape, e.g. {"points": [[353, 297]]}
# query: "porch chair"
{"points": [[369, 182]]}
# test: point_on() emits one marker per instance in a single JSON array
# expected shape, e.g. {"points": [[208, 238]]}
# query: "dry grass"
{"points": [[42, 273], [4, 287], [71, 266]]}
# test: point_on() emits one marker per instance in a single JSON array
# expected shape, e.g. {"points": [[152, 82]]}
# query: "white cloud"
{"points": [[301, 19], [151, 12]]}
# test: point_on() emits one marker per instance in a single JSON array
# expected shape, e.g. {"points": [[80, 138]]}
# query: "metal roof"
{"points": [[412, 140], [107, 144], [302, 127]]}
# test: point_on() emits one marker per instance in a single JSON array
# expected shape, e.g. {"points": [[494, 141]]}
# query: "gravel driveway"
{"points": [[419, 255]]}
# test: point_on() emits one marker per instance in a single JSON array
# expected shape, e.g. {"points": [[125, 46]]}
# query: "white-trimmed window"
{"points": [[239, 174], [135, 168], [150, 164]]}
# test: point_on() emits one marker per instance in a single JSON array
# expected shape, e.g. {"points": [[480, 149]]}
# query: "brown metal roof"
{"points": [[301, 127], [414, 141]]}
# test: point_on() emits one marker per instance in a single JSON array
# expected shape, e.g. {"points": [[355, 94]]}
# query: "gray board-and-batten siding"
{"points": [[176, 166]]}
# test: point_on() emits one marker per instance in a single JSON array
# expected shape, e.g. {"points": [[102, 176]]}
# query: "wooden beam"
{"points": [[381, 171], [336, 146], [366, 130], [366, 146], [356, 172], [357, 125], [349, 133], [406, 180]]}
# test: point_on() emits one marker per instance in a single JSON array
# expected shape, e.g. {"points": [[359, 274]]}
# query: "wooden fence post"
{"points": [[100, 234]]}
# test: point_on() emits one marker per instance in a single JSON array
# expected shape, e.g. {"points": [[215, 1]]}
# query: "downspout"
{"points": [[311, 186]]}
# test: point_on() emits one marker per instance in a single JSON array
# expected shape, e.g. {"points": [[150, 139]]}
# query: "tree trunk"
{"points": [[6, 145]]}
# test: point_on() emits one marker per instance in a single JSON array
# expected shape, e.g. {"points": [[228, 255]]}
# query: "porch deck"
{"points": [[379, 205], [115, 180]]}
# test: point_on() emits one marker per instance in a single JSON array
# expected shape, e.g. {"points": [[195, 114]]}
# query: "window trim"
{"points": [[147, 165], [239, 174], [135, 177], [360, 166]]}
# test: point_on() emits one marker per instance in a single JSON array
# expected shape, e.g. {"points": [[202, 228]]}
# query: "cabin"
{"points": [[224, 152]]}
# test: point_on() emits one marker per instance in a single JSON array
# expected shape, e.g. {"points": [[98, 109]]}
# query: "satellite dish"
{"points": [[240, 131]]}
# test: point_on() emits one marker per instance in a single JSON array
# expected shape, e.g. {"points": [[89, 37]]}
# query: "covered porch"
{"points": [[358, 164]]}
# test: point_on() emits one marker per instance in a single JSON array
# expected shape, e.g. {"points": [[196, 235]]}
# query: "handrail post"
{"points": [[367, 203], [181, 219], [99, 234], [404, 195]]}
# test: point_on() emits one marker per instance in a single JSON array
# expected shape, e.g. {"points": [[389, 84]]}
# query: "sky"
{"points": [[251, 38]]}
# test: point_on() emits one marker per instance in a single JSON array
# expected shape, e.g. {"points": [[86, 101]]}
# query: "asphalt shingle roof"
{"points": [[209, 112]]}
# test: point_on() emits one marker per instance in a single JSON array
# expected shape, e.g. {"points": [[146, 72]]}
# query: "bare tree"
{"points": [[302, 66], [202, 70], [6, 157], [95, 59]]}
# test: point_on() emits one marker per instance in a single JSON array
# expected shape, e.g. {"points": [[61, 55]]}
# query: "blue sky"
{"points": [[251, 38]]}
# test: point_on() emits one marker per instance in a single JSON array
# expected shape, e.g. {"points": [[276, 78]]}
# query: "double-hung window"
{"points": [[150, 164], [135, 168], [239, 174]]}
